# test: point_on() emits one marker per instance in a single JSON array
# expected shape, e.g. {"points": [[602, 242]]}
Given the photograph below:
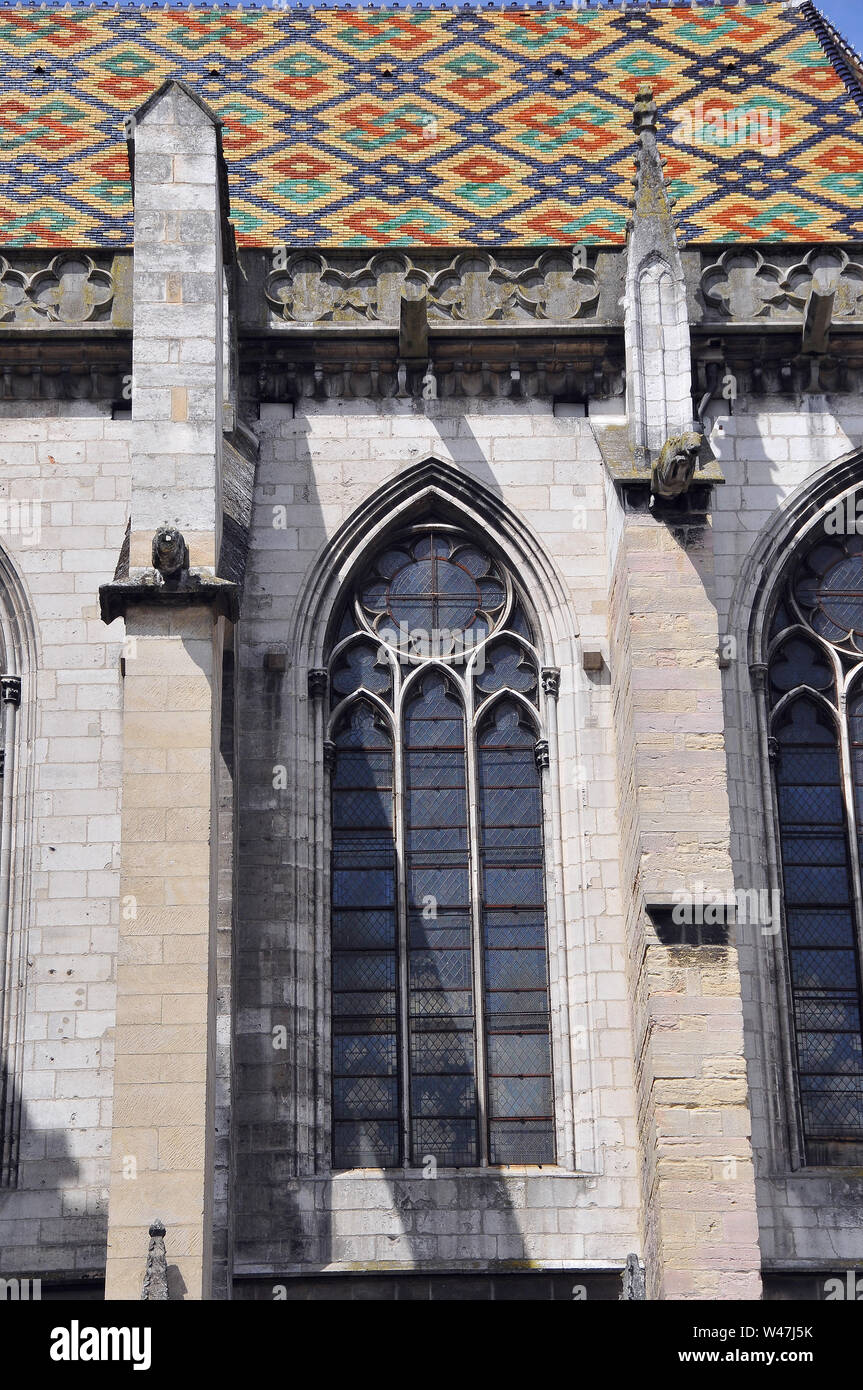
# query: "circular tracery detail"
{"points": [[828, 591], [434, 593]]}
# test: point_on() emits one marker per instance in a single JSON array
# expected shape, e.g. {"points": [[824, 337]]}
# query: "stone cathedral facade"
{"points": [[432, 709]]}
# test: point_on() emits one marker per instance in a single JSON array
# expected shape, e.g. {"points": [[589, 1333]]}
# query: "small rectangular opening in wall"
{"points": [[612, 411], [121, 412], [811, 1287], [570, 409], [58, 1290], [717, 931]]}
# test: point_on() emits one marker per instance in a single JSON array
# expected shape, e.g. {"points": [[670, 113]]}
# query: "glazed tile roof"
{"points": [[487, 127]]}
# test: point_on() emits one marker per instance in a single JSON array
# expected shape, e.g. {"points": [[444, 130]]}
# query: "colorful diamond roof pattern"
{"points": [[484, 127]]}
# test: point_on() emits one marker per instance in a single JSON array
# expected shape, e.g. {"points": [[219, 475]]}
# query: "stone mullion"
{"points": [[472, 790], [852, 819], [10, 690], [783, 1085], [402, 933], [562, 1039], [310, 1146]]}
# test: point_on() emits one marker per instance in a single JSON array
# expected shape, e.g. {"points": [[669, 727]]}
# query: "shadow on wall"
{"points": [[51, 1226], [290, 1216]]}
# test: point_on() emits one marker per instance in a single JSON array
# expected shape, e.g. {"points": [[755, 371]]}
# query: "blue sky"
{"points": [[847, 16]]}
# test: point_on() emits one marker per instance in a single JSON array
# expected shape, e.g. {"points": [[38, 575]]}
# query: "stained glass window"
{"points": [[815, 673], [365, 1064], [441, 1017]]}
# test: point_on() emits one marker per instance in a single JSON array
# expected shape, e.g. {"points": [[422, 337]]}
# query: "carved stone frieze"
{"points": [[474, 288], [743, 285], [308, 290], [13, 291], [70, 290], [823, 269], [480, 380], [107, 379], [758, 367]]}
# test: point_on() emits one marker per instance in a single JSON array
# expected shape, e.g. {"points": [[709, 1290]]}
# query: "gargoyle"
{"points": [[673, 471], [170, 553]]}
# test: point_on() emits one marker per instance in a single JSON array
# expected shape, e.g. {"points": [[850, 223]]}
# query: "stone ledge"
{"points": [[116, 598]]}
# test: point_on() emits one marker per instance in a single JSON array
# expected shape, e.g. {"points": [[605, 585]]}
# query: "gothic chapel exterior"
{"points": [[431, 609]]}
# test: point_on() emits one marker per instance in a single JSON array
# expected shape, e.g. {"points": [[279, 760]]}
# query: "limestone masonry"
{"points": [[432, 767]]}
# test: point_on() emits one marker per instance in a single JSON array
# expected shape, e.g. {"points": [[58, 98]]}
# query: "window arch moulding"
{"points": [[440, 990], [18, 664], [807, 641], [325, 649]]}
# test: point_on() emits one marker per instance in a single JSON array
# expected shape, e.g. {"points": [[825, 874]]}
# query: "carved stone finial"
{"points": [[673, 471], [550, 676], [772, 749], [170, 552], [318, 681], [329, 755], [155, 1286], [633, 1281], [540, 753], [658, 384], [10, 690]]}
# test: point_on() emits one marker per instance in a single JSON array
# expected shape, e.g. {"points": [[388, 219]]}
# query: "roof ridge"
{"points": [[845, 59], [587, 6]]}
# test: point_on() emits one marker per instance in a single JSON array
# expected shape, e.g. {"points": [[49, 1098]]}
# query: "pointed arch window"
{"points": [[441, 1040], [815, 710]]}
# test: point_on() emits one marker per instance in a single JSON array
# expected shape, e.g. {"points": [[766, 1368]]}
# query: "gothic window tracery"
{"points": [[815, 698], [440, 1004]]}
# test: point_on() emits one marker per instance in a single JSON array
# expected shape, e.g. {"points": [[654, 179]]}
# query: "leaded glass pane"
{"points": [[829, 590], [517, 622], [782, 618], [365, 1039], [823, 957], [855, 734], [521, 1141], [506, 665], [797, 661], [440, 968], [370, 1144], [518, 1046], [360, 665]]}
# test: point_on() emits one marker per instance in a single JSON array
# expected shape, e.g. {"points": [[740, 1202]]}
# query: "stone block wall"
{"points": [[163, 1134], [66, 466], [643, 747], [698, 1198]]}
